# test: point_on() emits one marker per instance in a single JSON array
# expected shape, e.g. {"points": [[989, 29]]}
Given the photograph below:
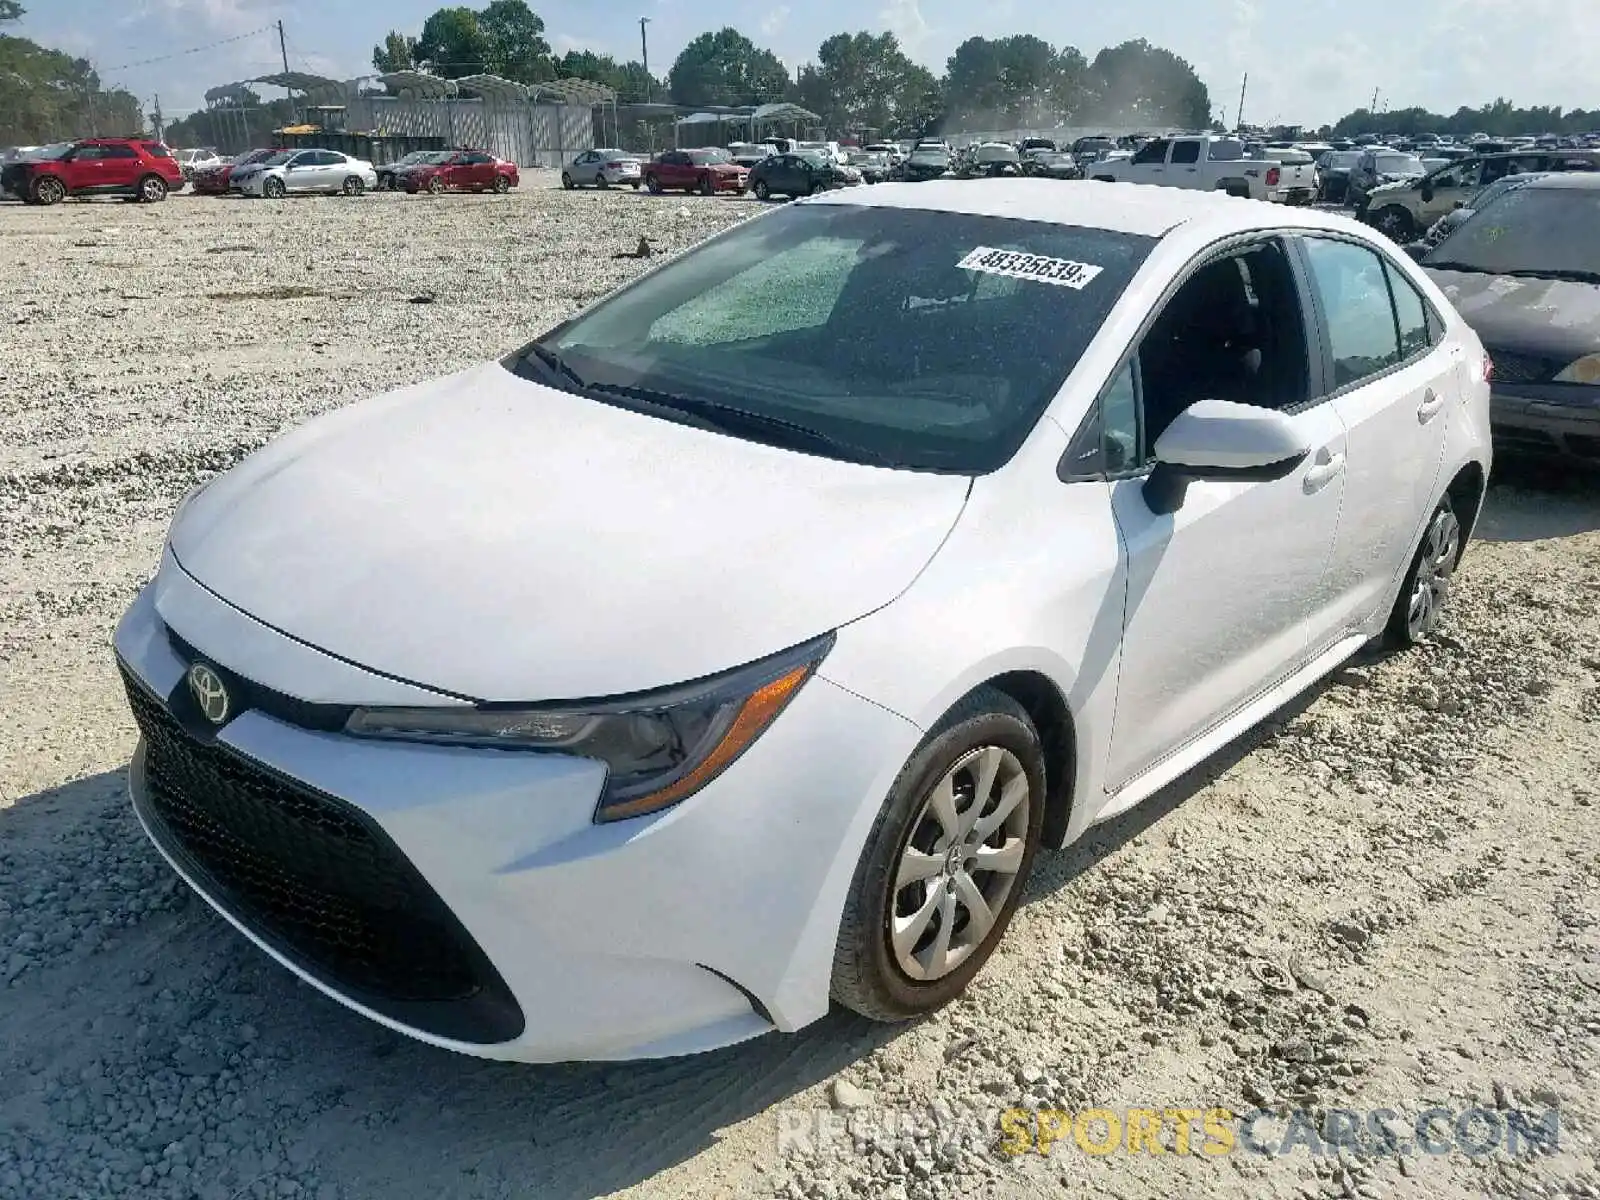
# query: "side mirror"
{"points": [[1417, 251], [1427, 191], [1224, 441], [1460, 204]]}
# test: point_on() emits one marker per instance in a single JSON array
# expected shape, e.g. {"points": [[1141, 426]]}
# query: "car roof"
{"points": [[1119, 207], [1582, 180]]}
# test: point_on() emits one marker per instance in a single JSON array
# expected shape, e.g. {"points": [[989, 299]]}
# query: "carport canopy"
{"points": [[492, 87], [783, 112], [574, 91], [419, 85]]}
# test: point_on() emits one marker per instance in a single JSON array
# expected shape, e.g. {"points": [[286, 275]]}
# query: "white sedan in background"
{"points": [[736, 645], [304, 171]]}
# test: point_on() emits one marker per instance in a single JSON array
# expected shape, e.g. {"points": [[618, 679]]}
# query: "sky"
{"points": [[1309, 61]]}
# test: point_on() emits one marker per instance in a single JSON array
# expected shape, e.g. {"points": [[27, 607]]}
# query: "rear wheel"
{"points": [[49, 190], [1420, 606], [945, 863], [354, 185], [385, 183], [152, 189], [566, 181], [601, 182]]}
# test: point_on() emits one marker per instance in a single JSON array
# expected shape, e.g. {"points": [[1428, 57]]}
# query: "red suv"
{"points": [[213, 181], [459, 171], [139, 168], [703, 171]]}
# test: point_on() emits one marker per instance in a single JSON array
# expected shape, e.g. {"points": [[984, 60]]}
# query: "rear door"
{"points": [[121, 167], [481, 166], [1392, 379]]}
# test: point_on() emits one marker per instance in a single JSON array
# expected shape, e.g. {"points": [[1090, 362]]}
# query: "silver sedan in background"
{"points": [[602, 168]]}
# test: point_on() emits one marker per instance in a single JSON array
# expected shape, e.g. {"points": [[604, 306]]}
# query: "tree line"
{"points": [[1502, 118], [857, 81], [48, 96]]}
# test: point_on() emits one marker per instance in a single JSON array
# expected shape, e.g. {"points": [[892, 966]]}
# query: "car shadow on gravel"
{"points": [[1532, 501], [166, 990]]}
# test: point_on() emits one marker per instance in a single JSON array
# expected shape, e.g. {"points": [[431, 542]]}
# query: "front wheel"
{"points": [[385, 183], [354, 185], [502, 185], [274, 188], [152, 189], [945, 863], [601, 182], [763, 193], [1420, 605], [567, 181], [654, 184], [436, 185], [706, 186], [1394, 223], [49, 190]]}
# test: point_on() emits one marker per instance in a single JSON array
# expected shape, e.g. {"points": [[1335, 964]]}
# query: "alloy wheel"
{"points": [[1441, 547], [354, 186], [273, 189], [49, 191], [960, 863], [152, 190], [436, 185], [501, 185]]}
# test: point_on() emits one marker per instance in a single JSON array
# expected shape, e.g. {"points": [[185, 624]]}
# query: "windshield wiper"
{"points": [[1459, 266], [556, 365], [725, 417], [1569, 274]]}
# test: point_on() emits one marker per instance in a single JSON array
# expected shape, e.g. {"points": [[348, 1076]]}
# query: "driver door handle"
{"points": [[1432, 402], [1324, 470]]}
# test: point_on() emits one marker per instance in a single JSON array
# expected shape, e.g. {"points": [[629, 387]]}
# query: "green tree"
{"points": [[48, 96], [726, 67], [10, 10], [1019, 80], [865, 81], [453, 44], [1138, 83], [514, 41], [397, 53]]}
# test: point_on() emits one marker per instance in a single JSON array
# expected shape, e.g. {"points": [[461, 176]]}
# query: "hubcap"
{"points": [[960, 863], [1440, 547]]}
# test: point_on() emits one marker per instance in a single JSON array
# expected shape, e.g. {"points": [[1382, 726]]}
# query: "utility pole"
{"points": [[1238, 114], [1374, 107], [283, 49], [644, 51], [155, 119]]}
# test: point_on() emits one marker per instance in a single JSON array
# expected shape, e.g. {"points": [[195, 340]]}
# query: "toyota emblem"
{"points": [[209, 693]]}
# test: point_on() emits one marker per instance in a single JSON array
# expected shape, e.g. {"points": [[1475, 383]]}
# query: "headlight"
{"points": [[658, 748], [1584, 370]]}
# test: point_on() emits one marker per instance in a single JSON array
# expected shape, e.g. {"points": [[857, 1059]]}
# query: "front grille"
{"points": [[318, 881]]}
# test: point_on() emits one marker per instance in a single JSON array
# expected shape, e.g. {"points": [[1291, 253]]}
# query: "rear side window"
{"points": [[157, 150], [1349, 280], [1410, 314], [118, 152]]}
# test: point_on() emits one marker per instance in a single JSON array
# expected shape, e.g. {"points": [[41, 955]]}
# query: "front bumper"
{"points": [[699, 927], [1548, 420]]}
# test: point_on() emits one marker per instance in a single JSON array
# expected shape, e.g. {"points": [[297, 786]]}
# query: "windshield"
{"points": [[1342, 160], [1534, 230], [920, 340], [702, 158], [1499, 188], [1398, 164], [278, 159]]}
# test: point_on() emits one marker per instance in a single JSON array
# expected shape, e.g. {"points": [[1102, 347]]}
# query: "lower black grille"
{"points": [[1522, 368], [317, 880]]}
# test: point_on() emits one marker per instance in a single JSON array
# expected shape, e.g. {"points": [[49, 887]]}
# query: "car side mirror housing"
{"points": [[1427, 191], [1417, 251], [1224, 441]]}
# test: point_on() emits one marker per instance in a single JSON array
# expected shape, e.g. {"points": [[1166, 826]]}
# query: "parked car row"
{"points": [[140, 169]]}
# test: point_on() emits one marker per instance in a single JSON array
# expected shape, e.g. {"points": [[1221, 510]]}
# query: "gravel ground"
{"points": [[1389, 896]]}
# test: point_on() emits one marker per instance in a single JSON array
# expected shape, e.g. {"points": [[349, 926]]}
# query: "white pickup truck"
{"points": [[1212, 164]]}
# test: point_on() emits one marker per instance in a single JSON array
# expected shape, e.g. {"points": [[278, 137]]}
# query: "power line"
{"points": [[145, 62]]}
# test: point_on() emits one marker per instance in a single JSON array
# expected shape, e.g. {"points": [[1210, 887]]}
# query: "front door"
{"points": [[84, 169], [1392, 380], [1226, 596], [1150, 163], [1450, 188]]}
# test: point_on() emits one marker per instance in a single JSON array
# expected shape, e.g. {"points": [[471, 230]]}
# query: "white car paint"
{"points": [[310, 170], [485, 537]]}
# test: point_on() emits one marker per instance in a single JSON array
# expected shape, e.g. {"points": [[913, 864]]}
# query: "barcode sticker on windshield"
{"points": [[1062, 272]]}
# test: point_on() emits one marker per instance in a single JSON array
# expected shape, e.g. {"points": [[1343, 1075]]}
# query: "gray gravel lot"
{"points": [[1388, 896]]}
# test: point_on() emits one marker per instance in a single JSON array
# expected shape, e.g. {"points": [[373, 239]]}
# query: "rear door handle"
{"points": [[1324, 470], [1432, 402]]}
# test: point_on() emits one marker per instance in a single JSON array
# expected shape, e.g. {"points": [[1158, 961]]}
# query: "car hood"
{"points": [[1549, 318], [487, 536]]}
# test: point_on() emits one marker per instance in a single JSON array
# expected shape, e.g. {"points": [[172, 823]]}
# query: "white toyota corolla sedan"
{"points": [[735, 646]]}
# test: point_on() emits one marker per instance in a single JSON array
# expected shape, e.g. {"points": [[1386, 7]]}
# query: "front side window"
{"points": [[1153, 152], [1354, 294], [1185, 152], [922, 340]]}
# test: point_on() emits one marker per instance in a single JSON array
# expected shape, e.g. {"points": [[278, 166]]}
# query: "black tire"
{"points": [[866, 976], [567, 181], [502, 185], [385, 183], [152, 189], [601, 182], [274, 188], [1104, 179], [635, 185], [763, 193], [48, 190], [354, 185], [654, 184], [1395, 223], [707, 188], [1435, 561]]}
